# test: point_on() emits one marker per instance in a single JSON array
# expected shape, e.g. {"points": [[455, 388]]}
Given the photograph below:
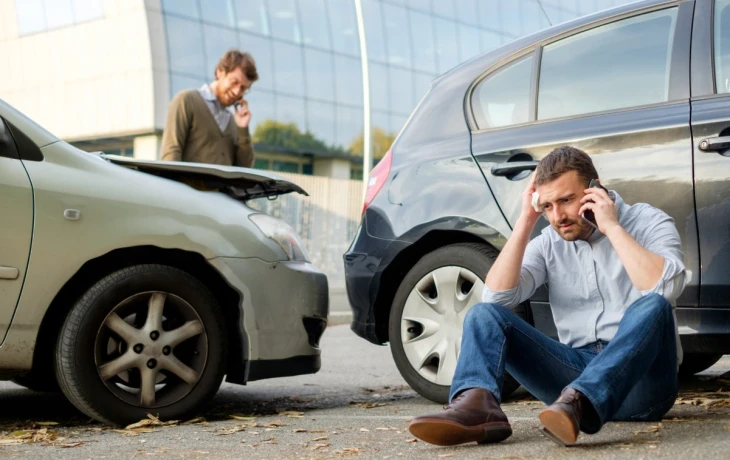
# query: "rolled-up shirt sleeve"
{"points": [[662, 238], [532, 276]]}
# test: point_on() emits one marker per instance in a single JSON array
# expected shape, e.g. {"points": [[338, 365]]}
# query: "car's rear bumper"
{"points": [[285, 307], [364, 262]]}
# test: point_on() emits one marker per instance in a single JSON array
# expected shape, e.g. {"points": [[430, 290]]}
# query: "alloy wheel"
{"points": [[151, 349]]}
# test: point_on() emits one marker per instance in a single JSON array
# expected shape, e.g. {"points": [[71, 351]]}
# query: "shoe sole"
{"points": [[558, 427], [447, 433]]}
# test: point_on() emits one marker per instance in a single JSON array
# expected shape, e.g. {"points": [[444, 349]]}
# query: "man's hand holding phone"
{"points": [[598, 209], [242, 116]]}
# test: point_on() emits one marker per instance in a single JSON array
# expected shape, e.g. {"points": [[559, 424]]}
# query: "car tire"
{"points": [[172, 375], [694, 363], [473, 261]]}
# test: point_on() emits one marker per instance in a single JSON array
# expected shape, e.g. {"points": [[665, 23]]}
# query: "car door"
{"points": [[16, 226], [711, 135], [618, 89]]}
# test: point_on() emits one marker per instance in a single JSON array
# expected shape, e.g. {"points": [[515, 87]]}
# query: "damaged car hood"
{"points": [[241, 183]]}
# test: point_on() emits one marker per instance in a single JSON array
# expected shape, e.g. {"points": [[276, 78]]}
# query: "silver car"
{"points": [[135, 286]]}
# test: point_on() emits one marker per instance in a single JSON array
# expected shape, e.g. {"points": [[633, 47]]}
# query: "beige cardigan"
{"points": [[192, 134]]}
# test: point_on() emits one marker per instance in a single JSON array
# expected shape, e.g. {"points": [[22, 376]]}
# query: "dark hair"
{"points": [[562, 160], [234, 59]]}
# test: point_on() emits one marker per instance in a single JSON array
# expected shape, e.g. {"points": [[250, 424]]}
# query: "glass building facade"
{"points": [[310, 87]]}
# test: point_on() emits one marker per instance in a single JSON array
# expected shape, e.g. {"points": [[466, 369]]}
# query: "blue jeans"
{"points": [[632, 377]]}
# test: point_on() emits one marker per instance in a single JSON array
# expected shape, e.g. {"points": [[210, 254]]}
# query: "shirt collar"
{"points": [[207, 93]]}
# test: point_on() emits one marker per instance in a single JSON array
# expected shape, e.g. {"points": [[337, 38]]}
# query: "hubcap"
{"points": [[432, 321], [151, 349]]}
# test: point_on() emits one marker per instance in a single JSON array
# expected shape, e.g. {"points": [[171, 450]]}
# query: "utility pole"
{"points": [[367, 154]]}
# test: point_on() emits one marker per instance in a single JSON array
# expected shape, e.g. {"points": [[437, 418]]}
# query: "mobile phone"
{"points": [[588, 215]]}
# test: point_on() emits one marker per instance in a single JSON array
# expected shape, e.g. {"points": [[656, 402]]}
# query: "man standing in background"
{"points": [[199, 126]]}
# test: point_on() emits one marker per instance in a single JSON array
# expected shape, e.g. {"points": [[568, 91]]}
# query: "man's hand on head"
{"points": [[603, 207], [528, 212]]}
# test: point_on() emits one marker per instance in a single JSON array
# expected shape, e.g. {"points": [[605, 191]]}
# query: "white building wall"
{"points": [[95, 79]]}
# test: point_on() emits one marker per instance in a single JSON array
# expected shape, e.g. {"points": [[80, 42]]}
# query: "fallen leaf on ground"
{"points": [[651, 429], [232, 430], [150, 421], [70, 444], [446, 455], [321, 438], [10, 442], [318, 431], [194, 420], [243, 418], [347, 451], [271, 441], [320, 446], [46, 423], [30, 436], [136, 432], [274, 424], [365, 430], [291, 413], [368, 405], [412, 440], [299, 430]]}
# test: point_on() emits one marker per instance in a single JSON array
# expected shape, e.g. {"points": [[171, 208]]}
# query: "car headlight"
{"points": [[283, 234]]}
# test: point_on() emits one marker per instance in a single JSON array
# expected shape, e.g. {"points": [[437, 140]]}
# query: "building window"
{"points": [[40, 15], [285, 166], [261, 163]]}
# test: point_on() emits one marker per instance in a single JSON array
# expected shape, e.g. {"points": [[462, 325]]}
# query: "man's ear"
{"points": [[219, 73]]}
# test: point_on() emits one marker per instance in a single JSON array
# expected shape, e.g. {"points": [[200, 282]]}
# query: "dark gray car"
{"points": [[644, 89]]}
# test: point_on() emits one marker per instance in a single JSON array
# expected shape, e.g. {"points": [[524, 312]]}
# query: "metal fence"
{"points": [[326, 220]]}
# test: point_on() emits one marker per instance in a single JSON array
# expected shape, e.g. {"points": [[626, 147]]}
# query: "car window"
{"points": [[503, 98], [722, 45], [622, 64], [7, 145]]}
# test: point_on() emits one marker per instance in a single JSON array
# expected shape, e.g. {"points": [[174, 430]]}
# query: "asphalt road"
{"points": [[356, 406]]}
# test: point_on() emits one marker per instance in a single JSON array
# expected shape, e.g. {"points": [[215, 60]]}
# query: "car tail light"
{"points": [[378, 175]]}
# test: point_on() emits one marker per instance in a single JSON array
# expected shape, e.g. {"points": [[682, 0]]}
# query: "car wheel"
{"points": [[427, 316], [147, 339], [694, 363]]}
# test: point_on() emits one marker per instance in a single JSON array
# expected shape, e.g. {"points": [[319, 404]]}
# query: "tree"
{"points": [[288, 135], [381, 142]]}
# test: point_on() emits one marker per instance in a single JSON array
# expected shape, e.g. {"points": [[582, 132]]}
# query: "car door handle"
{"points": [[9, 273], [715, 144], [513, 167]]}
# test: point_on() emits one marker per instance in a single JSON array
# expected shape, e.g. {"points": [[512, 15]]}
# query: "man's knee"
{"points": [[483, 313], [655, 303]]}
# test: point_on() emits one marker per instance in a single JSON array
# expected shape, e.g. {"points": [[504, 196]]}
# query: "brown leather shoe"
{"points": [[473, 415], [561, 420]]}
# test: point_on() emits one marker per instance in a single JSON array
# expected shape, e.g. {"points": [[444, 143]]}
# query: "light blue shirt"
{"points": [[221, 114], [589, 289]]}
